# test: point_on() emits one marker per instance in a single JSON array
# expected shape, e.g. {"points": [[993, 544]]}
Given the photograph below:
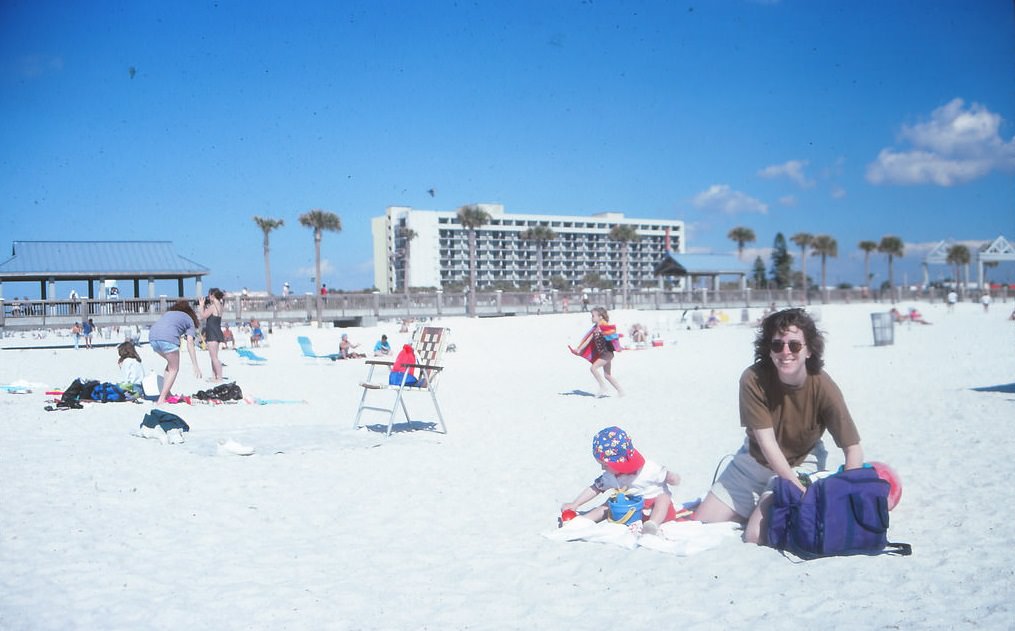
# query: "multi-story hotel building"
{"points": [[439, 252]]}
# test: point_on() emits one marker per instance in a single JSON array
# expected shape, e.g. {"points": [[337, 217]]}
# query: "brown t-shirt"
{"points": [[799, 416]]}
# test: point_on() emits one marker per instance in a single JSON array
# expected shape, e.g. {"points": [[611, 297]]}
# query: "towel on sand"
{"points": [[680, 538]]}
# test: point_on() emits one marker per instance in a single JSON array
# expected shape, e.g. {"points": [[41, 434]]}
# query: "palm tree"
{"points": [[267, 225], [741, 235], [624, 233], [407, 234], [892, 246], [803, 239], [320, 220], [958, 255], [472, 217], [541, 235], [824, 246], [867, 247]]}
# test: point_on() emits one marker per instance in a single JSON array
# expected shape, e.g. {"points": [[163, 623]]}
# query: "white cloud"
{"points": [[838, 192], [793, 169], [31, 66], [788, 200], [957, 145], [721, 198]]}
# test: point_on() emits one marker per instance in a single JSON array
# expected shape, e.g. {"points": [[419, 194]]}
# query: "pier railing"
{"points": [[351, 309]]}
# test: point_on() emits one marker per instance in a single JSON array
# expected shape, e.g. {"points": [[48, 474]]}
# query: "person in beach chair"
{"points": [[417, 368], [787, 403], [627, 471]]}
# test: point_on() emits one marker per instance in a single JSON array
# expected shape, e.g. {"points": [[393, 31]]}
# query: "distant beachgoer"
{"points": [[229, 341], [88, 329], [256, 334], [985, 301], [952, 299], [787, 402], [76, 332], [345, 348], [916, 316], [602, 349], [210, 310], [382, 347], [639, 335], [164, 338]]}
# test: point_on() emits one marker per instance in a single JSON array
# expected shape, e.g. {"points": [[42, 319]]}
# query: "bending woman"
{"points": [[786, 403], [164, 338]]}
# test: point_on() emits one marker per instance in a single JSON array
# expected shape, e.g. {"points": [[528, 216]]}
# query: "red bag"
{"points": [[405, 356]]}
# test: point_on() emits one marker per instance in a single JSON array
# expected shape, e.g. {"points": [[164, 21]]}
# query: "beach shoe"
{"points": [[175, 436], [232, 447], [155, 432]]}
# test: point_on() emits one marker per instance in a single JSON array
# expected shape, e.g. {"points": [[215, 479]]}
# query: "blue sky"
{"points": [[181, 120]]}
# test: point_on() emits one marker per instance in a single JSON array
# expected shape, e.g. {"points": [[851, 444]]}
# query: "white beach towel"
{"points": [[680, 538]]}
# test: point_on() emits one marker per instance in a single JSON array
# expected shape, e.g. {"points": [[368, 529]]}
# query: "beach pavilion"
{"points": [[999, 250], [49, 262], [711, 266]]}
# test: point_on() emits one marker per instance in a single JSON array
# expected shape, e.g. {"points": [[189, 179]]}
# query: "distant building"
{"points": [[439, 252]]}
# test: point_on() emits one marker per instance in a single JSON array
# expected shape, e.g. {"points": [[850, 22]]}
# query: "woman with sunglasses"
{"points": [[786, 403]]}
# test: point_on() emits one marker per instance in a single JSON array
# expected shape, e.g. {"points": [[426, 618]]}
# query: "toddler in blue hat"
{"points": [[626, 471]]}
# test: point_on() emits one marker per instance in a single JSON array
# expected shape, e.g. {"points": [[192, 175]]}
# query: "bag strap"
{"points": [[893, 549], [898, 549]]}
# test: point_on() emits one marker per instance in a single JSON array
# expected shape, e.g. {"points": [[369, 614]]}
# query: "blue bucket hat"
{"points": [[613, 448]]}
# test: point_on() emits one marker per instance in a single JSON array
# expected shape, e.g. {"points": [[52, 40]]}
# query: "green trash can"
{"points": [[883, 325]]}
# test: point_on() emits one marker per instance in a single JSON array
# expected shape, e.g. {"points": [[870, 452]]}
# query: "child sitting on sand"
{"points": [[131, 371], [626, 470]]}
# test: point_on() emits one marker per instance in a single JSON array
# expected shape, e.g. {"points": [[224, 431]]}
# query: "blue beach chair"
{"points": [[308, 350], [250, 357]]}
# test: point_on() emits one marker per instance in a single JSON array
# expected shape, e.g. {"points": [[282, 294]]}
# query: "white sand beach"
{"points": [[327, 527]]}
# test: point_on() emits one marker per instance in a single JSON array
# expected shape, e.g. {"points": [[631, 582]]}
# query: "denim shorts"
{"points": [[163, 347]]}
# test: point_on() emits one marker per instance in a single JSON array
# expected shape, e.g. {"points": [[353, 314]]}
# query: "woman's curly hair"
{"points": [[781, 321]]}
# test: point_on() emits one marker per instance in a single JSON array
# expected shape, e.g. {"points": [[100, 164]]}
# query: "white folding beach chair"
{"points": [[429, 343]]}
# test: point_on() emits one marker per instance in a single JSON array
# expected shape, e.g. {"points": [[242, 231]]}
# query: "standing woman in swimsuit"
{"points": [[210, 310]]}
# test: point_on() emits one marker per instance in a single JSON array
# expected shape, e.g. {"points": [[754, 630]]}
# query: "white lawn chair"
{"points": [[429, 343]]}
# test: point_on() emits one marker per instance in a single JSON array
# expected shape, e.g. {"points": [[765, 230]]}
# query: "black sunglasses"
{"points": [[794, 346]]}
